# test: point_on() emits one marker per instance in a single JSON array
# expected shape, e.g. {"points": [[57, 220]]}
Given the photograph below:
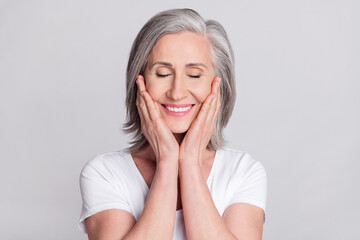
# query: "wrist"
{"points": [[168, 162], [167, 156], [189, 161], [189, 169], [189, 157]]}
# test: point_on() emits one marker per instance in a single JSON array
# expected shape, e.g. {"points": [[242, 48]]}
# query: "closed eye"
{"points": [[162, 75], [194, 76]]}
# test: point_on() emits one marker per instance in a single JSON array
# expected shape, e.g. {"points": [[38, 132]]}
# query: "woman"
{"points": [[176, 181]]}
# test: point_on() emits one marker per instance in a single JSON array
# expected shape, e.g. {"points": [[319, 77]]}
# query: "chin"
{"points": [[178, 125], [179, 129]]}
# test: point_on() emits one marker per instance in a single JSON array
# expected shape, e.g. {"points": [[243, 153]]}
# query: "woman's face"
{"points": [[178, 77]]}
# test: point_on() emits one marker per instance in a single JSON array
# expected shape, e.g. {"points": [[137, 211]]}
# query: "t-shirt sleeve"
{"points": [[99, 190], [250, 183]]}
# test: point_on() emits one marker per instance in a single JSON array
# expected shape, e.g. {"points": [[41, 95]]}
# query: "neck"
{"points": [[179, 137]]}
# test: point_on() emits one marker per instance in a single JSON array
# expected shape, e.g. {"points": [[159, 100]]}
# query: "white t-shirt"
{"points": [[113, 181]]}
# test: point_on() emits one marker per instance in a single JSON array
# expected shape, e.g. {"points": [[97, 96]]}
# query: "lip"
{"points": [[177, 114], [177, 105]]}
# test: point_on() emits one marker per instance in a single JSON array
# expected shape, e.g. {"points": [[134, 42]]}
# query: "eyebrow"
{"points": [[170, 65]]}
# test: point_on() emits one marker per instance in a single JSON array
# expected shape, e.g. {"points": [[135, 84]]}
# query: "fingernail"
{"points": [[142, 93], [213, 96]]}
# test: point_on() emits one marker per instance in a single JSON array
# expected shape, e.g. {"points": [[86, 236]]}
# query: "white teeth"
{"points": [[175, 109]]}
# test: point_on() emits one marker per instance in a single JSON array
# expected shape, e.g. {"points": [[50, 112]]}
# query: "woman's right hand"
{"points": [[153, 126]]}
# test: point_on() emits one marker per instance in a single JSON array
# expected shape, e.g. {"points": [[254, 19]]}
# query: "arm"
{"points": [[159, 210], [158, 217], [202, 220], [244, 220]]}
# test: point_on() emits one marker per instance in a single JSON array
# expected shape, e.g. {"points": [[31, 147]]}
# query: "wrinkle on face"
{"points": [[180, 71]]}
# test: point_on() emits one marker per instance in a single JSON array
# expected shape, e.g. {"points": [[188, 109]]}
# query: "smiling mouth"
{"points": [[178, 108]]}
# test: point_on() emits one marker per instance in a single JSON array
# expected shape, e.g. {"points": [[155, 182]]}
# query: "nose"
{"points": [[177, 90]]}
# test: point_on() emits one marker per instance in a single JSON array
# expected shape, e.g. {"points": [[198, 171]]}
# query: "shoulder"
{"points": [[247, 178], [232, 154], [107, 162], [239, 161]]}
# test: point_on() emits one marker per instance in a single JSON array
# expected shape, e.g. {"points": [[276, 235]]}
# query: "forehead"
{"points": [[182, 48]]}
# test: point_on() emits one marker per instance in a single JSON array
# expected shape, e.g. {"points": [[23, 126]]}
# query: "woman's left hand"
{"points": [[202, 128]]}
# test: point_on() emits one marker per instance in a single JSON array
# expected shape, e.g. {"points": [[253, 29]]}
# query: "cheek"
{"points": [[202, 91], [155, 90]]}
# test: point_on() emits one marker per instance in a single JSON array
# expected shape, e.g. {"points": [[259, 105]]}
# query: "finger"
{"points": [[215, 85], [215, 90], [218, 98], [218, 105], [141, 105], [141, 83], [212, 110], [157, 108], [201, 117], [153, 112], [208, 103], [141, 90], [144, 116]]}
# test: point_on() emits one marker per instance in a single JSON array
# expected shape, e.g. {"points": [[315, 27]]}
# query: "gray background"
{"points": [[62, 68]]}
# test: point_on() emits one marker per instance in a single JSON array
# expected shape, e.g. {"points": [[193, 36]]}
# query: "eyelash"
{"points": [[166, 75], [194, 76], [162, 75]]}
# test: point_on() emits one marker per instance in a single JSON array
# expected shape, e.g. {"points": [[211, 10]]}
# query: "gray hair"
{"points": [[175, 21]]}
